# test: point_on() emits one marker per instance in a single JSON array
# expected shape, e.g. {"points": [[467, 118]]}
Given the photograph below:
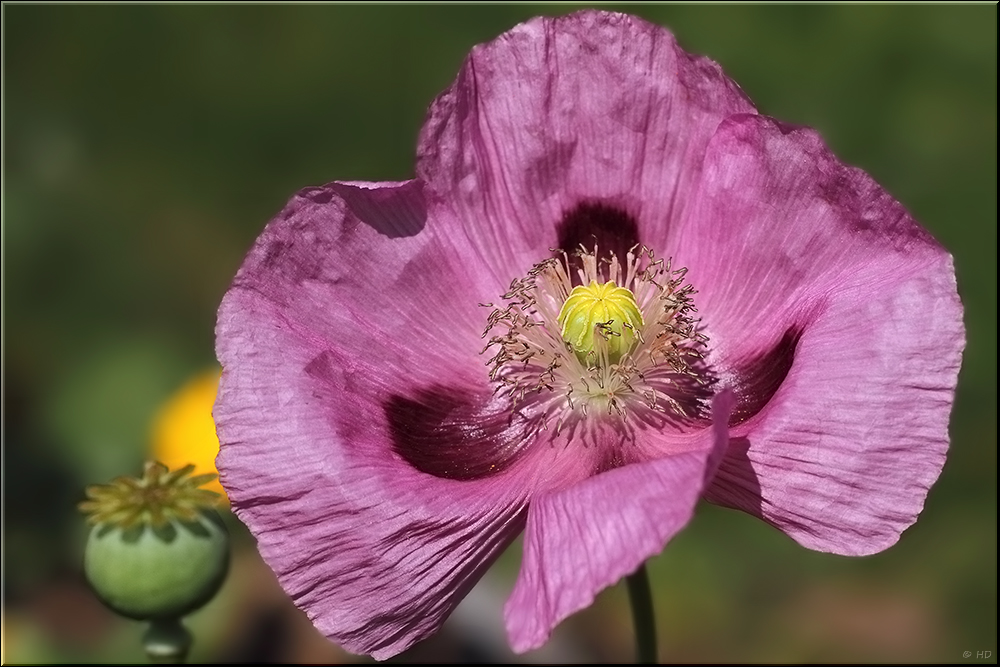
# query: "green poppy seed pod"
{"points": [[600, 315], [157, 549], [168, 571]]}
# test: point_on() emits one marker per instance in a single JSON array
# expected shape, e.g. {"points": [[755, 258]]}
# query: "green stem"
{"points": [[641, 599], [167, 641]]}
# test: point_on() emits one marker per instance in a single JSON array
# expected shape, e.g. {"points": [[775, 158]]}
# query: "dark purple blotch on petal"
{"points": [[454, 435], [608, 227], [759, 379]]}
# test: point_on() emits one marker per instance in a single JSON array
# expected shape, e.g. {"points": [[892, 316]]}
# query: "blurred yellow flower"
{"points": [[184, 431]]}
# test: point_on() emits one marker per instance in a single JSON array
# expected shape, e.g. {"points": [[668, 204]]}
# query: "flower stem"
{"points": [[167, 641], [641, 600]]}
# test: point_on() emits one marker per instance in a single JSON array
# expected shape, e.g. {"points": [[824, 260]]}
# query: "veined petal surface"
{"points": [[584, 538], [339, 313], [811, 266], [589, 107]]}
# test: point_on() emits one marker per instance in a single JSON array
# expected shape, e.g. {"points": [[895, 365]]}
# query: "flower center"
{"points": [[581, 335], [605, 310]]}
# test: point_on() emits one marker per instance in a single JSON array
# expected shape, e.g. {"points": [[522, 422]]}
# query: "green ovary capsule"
{"points": [[605, 310], [157, 548], [167, 572]]}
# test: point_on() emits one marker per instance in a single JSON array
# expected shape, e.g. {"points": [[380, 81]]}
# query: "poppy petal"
{"points": [[584, 538]]}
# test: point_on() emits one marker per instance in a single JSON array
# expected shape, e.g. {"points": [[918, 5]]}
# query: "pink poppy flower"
{"points": [[383, 459]]}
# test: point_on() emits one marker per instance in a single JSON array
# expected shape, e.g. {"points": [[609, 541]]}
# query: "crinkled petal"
{"points": [[582, 539], [780, 227], [363, 261], [346, 355], [522, 138], [823, 296], [375, 552]]}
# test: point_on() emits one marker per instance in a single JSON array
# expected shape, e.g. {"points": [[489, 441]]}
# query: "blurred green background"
{"points": [[145, 147]]}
